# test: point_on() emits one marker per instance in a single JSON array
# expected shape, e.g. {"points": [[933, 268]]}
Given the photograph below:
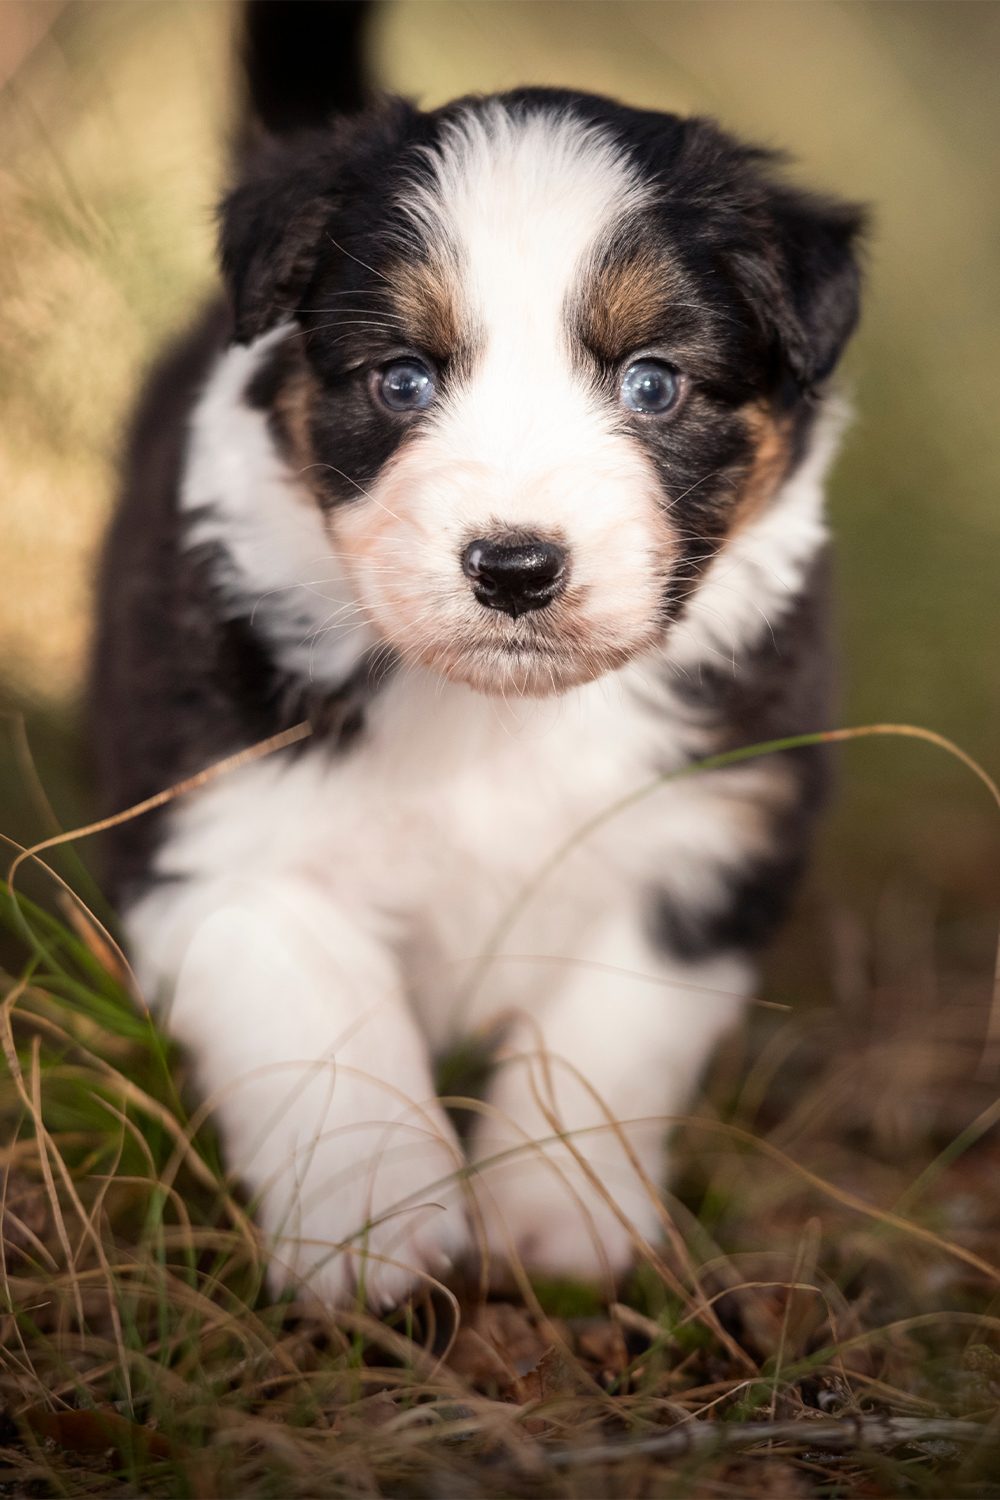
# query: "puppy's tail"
{"points": [[304, 62]]}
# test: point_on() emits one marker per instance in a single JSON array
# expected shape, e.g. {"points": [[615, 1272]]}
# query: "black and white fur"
{"points": [[286, 546]]}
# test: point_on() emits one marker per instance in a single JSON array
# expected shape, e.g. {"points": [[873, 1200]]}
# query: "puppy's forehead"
{"points": [[515, 211]]}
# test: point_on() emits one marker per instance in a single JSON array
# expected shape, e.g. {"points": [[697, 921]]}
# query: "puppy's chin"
{"points": [[525, 670], [538, 655]]}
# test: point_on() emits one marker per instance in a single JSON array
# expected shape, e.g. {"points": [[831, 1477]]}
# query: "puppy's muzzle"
{"points": [[515, 578]]}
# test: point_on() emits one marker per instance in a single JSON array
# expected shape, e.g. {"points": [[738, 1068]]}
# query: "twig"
{"points": [[841, 1433]]}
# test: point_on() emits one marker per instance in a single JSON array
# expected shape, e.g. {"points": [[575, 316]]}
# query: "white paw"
{"points": [[368, 1231], [547, 1215]]}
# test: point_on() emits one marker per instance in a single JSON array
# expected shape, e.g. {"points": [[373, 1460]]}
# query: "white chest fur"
{"points": [[440, 817], [316, 897]]}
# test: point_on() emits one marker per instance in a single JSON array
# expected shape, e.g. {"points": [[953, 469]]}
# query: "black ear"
{"points": [[272, 227], [793, 257], [291, 205], [806, 287]]}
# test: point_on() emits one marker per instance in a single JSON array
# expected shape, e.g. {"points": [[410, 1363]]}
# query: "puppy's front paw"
{"points": [[370, 1231], [551, 1216]]}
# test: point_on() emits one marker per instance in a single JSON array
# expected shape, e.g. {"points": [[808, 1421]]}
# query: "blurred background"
{"points": [[114, 120]]}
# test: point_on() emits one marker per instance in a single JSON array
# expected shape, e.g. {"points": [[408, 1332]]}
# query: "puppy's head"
{"points": [[544, 356]]}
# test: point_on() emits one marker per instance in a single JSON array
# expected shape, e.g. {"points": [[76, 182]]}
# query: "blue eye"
{"points": [[405, 385], [651, 387]]}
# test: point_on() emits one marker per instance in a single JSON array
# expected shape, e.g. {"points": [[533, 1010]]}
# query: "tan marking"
{"points": [[426, 296], [772, 443], [626, 304], [292, 410]]}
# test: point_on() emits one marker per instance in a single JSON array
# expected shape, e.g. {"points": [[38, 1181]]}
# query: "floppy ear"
{"points": [[271, 231], [276, 223], [805, 289], [792, 255]]}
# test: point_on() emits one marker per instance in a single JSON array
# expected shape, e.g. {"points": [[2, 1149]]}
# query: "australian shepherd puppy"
{"points": [[502, 463]]}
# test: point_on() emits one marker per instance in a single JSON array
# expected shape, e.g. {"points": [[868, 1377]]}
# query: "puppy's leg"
{"points": [[316, 1073], [605, 1060]]}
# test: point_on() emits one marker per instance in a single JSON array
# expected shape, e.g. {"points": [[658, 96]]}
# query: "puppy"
{"points": [[502, 462]]}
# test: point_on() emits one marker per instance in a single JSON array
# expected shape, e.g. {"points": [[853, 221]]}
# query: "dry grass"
{"points": [[822, 1319]]}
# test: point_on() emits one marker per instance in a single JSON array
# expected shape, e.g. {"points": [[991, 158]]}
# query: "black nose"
{"points": [[514, 578]]}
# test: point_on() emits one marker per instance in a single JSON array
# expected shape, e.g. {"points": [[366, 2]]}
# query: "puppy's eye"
{"points": [[651, 387], [405, 385]]}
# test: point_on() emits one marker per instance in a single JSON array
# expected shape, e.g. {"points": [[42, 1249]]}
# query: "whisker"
{"points": [[359, 487], [374, 312], [383, 328], [351, 291], [363, 264]]}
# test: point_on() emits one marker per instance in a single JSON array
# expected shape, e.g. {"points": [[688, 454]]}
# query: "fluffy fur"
{"points": [[290, 543]]}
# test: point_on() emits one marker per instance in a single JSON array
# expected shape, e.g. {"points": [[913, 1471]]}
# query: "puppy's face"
{"points": [[547, 354]]}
